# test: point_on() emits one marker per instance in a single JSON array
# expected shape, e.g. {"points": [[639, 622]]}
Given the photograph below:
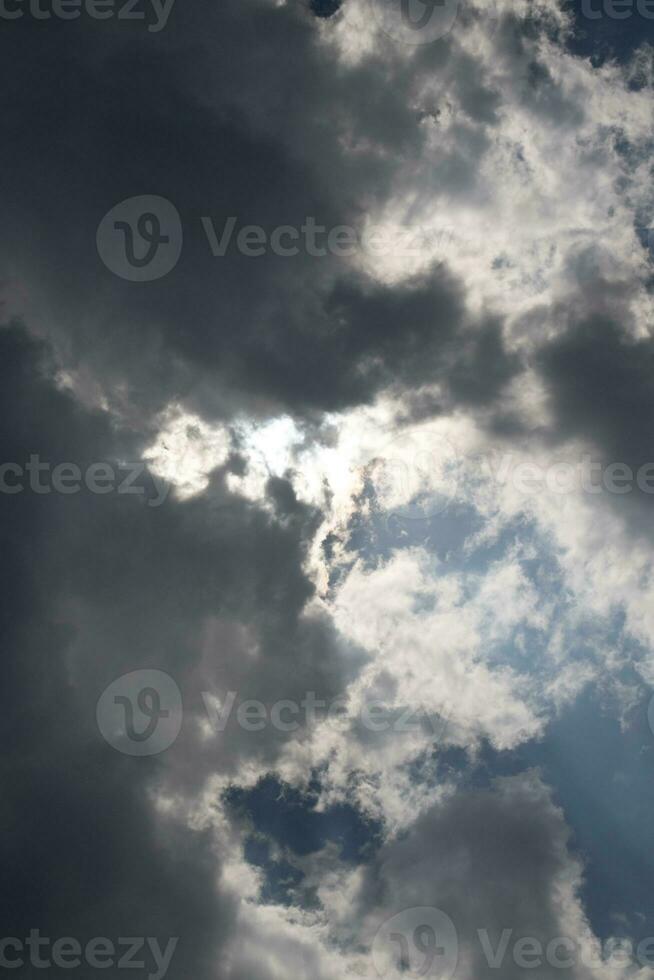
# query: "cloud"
{"points": [[292, 401], [492, 860]]}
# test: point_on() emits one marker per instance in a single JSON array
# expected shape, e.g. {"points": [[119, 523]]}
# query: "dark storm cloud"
{"points": [[82, 853], [213, 590], [236, 109], [109, 112], [96, 585], [598, 373]]}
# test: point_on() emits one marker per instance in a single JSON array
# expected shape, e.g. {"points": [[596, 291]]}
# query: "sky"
{"points": [[326, 483]]}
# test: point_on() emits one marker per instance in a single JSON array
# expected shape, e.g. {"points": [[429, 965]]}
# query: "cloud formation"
{"points": [[336, 442]]}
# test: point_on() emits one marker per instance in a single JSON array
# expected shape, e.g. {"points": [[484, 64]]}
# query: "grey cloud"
{"points": [[491, 859], [598, 374], [237, 109], [82, 851], [94, 586], [211, 135]]}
